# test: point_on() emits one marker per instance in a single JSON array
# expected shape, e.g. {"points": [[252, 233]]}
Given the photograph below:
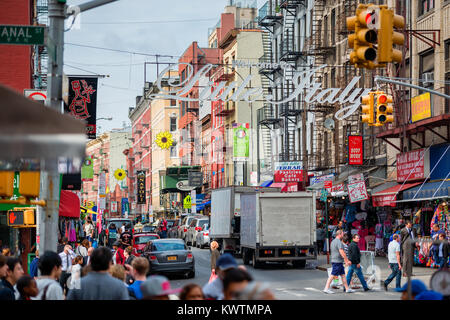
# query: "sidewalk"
{"points": [[421, 273]]}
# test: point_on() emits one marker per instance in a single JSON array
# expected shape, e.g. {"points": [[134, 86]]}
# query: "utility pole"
{"points": [[47, 227]]}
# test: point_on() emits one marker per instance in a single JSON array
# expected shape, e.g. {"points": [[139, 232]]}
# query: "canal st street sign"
{"points": [[26, 35], [302, 81]]}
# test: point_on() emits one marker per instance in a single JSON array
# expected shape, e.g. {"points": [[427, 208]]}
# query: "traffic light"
{"points": [[21, 217], [29, 183], [6, 184], [367, 105], [363, 54], [384, 109], [387, 37]]}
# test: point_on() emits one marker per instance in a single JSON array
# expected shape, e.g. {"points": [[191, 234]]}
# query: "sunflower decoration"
{"points": [[120, 174], [164, 140]]}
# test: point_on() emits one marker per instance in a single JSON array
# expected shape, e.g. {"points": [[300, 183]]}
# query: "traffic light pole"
{"points": [[382, 79], [47, 226]]}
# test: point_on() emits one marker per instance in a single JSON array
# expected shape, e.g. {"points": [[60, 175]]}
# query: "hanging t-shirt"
{"points": [[112, 233]]}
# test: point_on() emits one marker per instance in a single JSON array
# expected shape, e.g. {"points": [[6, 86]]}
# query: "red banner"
{"points": [[384, 201], [406, 165], [355, 150]]}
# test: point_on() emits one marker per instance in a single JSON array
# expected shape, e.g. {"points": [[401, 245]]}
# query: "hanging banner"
{"points": [[288, 172], [102, 185], [355, 150], [193, 201], [141, 187], [114, 206], [125, 206], [87, 169], [101, 203], [421, 107], [241, 141], [356, 178], [384, 201], [82, 102], [357, 192]]}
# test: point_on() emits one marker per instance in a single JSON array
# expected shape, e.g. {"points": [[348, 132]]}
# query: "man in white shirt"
{"points": [[66, 258], [394, 263]]}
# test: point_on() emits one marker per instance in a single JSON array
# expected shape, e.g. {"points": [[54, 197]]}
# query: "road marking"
{"points": [[313, 289]]}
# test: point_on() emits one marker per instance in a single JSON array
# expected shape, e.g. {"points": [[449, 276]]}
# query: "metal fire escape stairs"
{"points": [[289, 54], [41, 52]]}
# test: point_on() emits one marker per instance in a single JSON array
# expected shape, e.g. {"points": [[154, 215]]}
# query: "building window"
{"points": [[426, 69], [425, 6], [173, 152], [173, 124], [325, 31], [333, 26], [173, 102]]}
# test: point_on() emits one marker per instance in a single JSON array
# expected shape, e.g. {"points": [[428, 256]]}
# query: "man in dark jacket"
{"points": [[354, 255], [15, 271], [442, 248]]}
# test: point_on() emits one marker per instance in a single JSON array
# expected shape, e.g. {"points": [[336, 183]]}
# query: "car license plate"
{"points": [[286, 252], [174, 258]]}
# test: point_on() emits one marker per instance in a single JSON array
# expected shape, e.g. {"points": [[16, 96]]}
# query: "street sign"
{"points": [[323, 195], [187, 204], [36, 95], [26, 35], [195, 179]]}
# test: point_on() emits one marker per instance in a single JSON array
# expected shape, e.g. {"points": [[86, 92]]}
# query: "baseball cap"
{"points": [[156, 286], [226, 261], [429, 295], [417, 286]]}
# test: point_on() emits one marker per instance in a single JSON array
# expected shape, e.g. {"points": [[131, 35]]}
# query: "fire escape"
{"points": [[40, 52], [268, 115], [318, 48]]}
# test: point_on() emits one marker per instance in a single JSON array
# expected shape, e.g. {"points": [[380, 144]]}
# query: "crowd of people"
{"points": [[346, 253]]}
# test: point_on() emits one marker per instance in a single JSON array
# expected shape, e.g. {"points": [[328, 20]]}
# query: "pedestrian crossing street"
{"points": [[309, 293]]}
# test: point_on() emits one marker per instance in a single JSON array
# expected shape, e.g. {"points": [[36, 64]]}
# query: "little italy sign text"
{"points": [[350, 96]]}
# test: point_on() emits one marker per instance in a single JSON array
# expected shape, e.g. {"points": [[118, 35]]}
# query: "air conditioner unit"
{"points": [[428, 77]]}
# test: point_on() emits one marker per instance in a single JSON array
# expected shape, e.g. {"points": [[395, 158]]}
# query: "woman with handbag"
{"points": [[215, 254]]}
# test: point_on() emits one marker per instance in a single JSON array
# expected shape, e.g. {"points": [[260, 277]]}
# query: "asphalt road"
{"points": [[286, 282]]}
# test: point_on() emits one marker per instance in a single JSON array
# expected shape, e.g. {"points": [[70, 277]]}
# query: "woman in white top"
{"points": [[89, 230], [74, 279]]}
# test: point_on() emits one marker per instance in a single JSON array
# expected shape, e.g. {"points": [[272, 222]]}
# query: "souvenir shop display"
{"points": [[71, 228]]}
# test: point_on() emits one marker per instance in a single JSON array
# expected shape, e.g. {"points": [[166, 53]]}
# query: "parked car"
{"points": [[202, 239], [140, 241], [171, 256], [185, 225], [195, 227], [173, 230]]}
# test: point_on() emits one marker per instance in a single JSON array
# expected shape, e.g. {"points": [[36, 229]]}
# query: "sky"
{"points": [[139, 26]]}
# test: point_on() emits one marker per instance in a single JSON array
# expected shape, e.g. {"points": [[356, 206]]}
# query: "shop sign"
{"points": [[184, 185], [303, 82], [421, 107], [141, 199], [355, 150], [319, 179], [328, 184], [288, 171], [241, 141], [413, 165], [357, 192], [338, 188], [102, 185], [384, 201], [125, 206], [356, 178], [101, 203], [114, 206], [82, 102], [195, 179], [292, 187]]}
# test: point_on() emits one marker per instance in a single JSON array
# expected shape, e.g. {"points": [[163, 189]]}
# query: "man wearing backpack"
{"points": [[50, 265]]}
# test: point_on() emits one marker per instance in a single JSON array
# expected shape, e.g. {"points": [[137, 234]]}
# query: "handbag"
{"points": [[213, 276]]}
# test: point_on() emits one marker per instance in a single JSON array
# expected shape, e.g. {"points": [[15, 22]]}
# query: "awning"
{"points": [[30, 130], [69, 204], [266, 183], [428, 191], [203, 205], [282, 185], [388, 197]]}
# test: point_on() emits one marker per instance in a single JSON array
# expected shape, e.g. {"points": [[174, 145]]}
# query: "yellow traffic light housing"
{"points": [[384, 109], [367, 108], [6, 184], [29, 183], [387, 37], [363, 54]]}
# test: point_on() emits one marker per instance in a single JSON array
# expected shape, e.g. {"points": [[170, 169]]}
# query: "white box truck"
{"points": [[278, 227], [226, 213]]}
